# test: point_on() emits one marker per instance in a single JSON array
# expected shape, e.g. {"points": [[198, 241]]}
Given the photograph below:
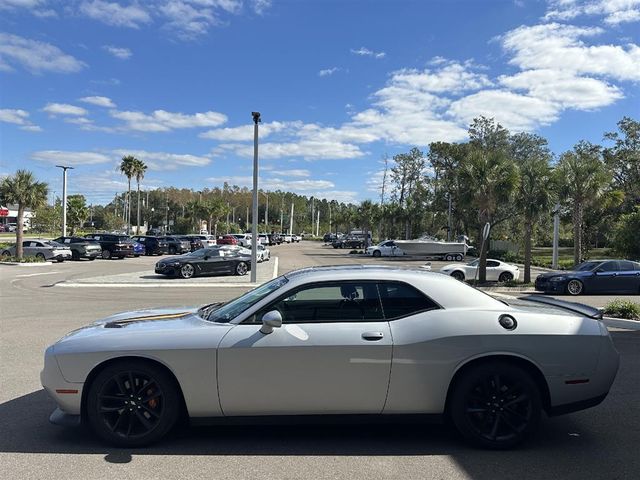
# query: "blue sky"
{"points": [[339, 84]]}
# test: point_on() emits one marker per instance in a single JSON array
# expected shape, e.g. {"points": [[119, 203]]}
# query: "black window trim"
{"points": [[384, 318]]}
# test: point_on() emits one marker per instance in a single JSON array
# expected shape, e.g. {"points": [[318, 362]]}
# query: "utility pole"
{"points": [[254, 216], [166, 225], [318, 224], [281, 212], [449, 222], [291, 221], [329, 217], [556, 235], [64, 197]]}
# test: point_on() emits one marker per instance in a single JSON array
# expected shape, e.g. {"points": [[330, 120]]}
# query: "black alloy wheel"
{"points": [[131, 404], [106, 254], [458, 275], [241, 269], [377, 253], [505, 277], [495, 405], [75, 255], [172, 250]]}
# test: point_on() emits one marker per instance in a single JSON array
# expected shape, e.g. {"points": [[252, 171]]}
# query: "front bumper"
{"points": [[91, 254], [67, 395], [544, 285]]}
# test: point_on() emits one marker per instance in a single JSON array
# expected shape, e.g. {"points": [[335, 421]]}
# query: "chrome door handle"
{"points": [[372, 336]]}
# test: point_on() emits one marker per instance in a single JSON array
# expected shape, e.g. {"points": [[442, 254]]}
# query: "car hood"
{"points": [[146, 315], [176, 258]]}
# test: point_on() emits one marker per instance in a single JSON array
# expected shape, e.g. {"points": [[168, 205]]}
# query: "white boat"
{"points": [[431, 246]]}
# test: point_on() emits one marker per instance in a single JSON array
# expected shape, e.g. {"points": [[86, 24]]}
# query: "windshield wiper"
{"points": [[207, 309]]}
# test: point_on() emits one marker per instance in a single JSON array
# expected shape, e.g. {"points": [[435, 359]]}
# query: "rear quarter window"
{"points": [[401, 300]]}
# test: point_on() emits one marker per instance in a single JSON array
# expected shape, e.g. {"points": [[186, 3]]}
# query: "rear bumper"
{"points": [[576, 406]]}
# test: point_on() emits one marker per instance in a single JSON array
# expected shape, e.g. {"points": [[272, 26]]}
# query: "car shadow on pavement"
{"points": [[597, 443]]}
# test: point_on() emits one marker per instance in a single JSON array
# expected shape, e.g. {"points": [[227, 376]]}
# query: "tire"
{"points": [[448, 258], [91, 259], [75, 255], [495, 405], [106, 254], [137, 422], [458, 275], [60, 260], [6, 253], [187, 271], [459, 258], [575, 287], [377, 253], [505, 277], [40, 256], [172, 250], [241, 269]]}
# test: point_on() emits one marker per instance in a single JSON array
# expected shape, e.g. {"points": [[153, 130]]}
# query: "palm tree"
{"points": [[23, 190], [213, 209], [139, 168], [582, 176], [535, 192], [127, 168]]}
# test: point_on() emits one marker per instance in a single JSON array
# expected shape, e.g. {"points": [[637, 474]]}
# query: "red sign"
{"points": [[4, 212]]}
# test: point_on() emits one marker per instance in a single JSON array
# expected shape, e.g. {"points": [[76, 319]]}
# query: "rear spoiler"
{"points": [[580, 308]]}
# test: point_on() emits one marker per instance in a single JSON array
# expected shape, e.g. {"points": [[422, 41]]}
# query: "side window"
{"points": [[26, 244], [67, 240], [96, 237], [401, 300], [608, 267], [627, 266], [328, 303], [492, 263]]}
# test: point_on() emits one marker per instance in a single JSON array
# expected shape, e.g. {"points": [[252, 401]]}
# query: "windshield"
{"points": [[587, 266], [235, 307]]}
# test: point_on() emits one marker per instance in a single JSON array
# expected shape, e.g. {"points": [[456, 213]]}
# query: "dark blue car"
{"points": [[593, 276]]}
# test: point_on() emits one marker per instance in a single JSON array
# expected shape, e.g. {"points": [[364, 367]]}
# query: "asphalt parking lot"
{"points": [[600, 443]]}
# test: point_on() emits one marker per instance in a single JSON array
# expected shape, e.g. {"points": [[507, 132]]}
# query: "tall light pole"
{"points": [[64, 197], [254, 216], [556, 235]]}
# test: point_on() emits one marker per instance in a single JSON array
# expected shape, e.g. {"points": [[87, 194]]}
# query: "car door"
{"points": [[630, 276], [211, 262], [331, 355], [493, 270], [608, 278]]}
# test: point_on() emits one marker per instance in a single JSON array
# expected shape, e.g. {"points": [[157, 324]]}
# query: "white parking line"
{"points": [[157, 285]]}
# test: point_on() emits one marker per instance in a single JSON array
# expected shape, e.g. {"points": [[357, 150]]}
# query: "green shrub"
{"points": [[7, 258], [623, 309]]}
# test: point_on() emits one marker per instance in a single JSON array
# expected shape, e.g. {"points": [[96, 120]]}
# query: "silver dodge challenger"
{"points": [[345, 340]]}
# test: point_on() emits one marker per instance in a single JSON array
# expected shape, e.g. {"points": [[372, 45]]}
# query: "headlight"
{"points": [[557, 279]]}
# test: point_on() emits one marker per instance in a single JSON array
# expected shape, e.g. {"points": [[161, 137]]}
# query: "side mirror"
{"points": [[271, 320]]}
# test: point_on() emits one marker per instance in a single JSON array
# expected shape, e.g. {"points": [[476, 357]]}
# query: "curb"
{"points": [[32, 264], [621, 323]]}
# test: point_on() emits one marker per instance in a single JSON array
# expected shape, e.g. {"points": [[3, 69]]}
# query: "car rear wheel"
{"points": [[187, 271], [6, 253], [106, 254], [40, 256], [574, 287], [131, 404], [458, 275], [448, 258], [241, 268], [172, 250], [459, 258], [377, 253], [495, 405], [505, 277], [75, 255]]}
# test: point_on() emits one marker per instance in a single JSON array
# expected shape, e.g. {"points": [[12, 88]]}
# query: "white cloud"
{"points": [[328, 71], [365, 52], [613, 11], [260, 6], [165, 160], [99, 101], [274, 183], [306, 149], [112, 13], [61, 157], [559, 47], [31, 128], [17, 116], [35, 7], [64, 109], [163, 121], [118, 52], [35, 56], [245, 132]]}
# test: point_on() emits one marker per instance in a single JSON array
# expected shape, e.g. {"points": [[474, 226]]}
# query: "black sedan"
{"points": [[593, 276], [348, 242], [206, 261]]}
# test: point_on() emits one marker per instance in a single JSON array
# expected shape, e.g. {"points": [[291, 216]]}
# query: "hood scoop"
{"points": [[148, 318]]}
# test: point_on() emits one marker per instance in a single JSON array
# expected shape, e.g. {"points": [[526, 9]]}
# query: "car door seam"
{"points": [[386, 398]]}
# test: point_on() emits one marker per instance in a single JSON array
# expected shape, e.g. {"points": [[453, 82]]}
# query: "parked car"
{"points": [[138, 249], [152, 245], [263, 254], [593, 276], [287, 238], [226, 240], [118, 246], [348, 241], [206, 261], [497, 271], [265, 239], [329, 237], [296, 238], [3, 227], [194, 242], [329, 340], [41, 248], [388, 248], [81, 247], [207, 240], [234, 249], [177, 245], [243, 239]]}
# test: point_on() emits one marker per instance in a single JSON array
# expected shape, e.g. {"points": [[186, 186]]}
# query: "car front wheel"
{"points": [[377, 253], [133, 403], [505, 277], [187, 271], [495, 405], [574, 287], [106, 254], [458, 275]]}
